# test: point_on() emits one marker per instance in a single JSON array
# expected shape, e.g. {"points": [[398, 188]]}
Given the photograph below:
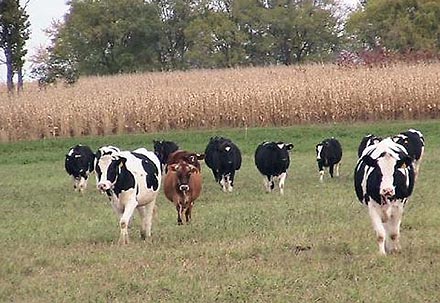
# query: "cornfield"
{"points": [[250, 97]]}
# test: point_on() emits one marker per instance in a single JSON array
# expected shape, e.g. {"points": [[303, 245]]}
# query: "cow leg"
{"points": [[223, 183], [188, 213], [281, 183], [75, 184], [337, 169], [321, 175], [375, 212], [331, 169], [146, 214], [125, 219], [179, 214], [395, 212], [268, 183], [231, 177], [82, 184]]}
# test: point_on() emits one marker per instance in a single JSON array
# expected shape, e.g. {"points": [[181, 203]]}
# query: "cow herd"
{"points": [[384, 176]]}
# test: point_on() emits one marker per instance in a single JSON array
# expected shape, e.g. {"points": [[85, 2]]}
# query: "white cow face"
{"points": [[107, 171]]}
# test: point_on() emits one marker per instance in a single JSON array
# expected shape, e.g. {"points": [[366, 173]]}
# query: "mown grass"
{"points": [[314, 244]]}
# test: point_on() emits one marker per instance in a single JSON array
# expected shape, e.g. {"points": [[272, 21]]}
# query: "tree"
{"points": [[110, 36], [14, 32], [397, 25], [215, 41]]}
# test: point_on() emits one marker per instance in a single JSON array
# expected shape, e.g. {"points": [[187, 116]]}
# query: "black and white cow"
{"points": [[163, 149], [384, 180], [366, 141], [414, 142], [223, 157], [79, 164], [272, 160], [328, 154], [131, 180]]}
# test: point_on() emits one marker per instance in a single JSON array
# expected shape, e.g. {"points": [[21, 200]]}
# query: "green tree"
{"points": [[398, 25], [175, 17], [288, 31], [14, 32], [110, 36], [215, 41]]}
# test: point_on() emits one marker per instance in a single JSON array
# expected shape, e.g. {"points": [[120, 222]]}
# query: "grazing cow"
{"points": [[188, 157], [384, 180], [414, 142], [163, 149], [182, 186], [366, 141], [272, 160], [79, 164], [131, 180], [328, 154], [224, 158]]}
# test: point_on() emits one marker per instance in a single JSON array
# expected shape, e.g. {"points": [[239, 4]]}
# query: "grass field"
{"points": [[314, 244]]}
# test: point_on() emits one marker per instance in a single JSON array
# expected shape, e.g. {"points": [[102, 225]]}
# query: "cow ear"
{"points": [[289, 146], [405, 162], [193, 169], [369, 161], [173, 167], [200, 156], [121, 161]]}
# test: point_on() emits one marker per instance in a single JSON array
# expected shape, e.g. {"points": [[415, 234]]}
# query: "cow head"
{"points": [[226, 150], [389, 161], [108, 168], [183, 172]]}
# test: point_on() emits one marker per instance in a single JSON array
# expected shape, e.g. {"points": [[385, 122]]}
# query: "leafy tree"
{"points": [[14, 32], [398, 25], [215, 41], [110, 36], [175, 17]]}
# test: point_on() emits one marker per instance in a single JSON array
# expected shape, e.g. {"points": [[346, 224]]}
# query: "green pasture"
{"points": [[314, 244]]}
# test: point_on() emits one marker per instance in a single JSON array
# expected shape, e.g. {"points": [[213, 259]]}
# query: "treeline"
{"points": [[99, 37]]}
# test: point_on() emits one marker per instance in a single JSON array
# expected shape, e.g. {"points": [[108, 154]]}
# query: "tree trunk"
{"points": [[9, 70], [19, 80]]}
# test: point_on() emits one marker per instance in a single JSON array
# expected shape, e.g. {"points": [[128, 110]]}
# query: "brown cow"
{"points": [[182, 186], [188, 157]]}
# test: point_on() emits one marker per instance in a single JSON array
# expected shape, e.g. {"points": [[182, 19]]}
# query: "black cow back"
{"points": [[272, 158], [331, 153], [163, 149], [79, 161], [222, 156]]}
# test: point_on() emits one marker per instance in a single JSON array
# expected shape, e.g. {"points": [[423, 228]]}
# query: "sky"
{"points": [[42, 13]]}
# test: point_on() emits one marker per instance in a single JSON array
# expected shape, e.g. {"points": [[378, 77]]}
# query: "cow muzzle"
{"points": [[184, 187], [387, 194], [104, 186]]}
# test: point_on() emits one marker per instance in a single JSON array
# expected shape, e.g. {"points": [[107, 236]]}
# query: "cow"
{"points": [[131, 180], [272, 160], [366, 141], [163, 149], [414, 142], [383, 181], [328, 154], [223, 157], [79, 164], [182, 186], [188, 157]]}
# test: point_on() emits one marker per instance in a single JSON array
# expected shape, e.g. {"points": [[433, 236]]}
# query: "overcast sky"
{"points": [[41, 14]]}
